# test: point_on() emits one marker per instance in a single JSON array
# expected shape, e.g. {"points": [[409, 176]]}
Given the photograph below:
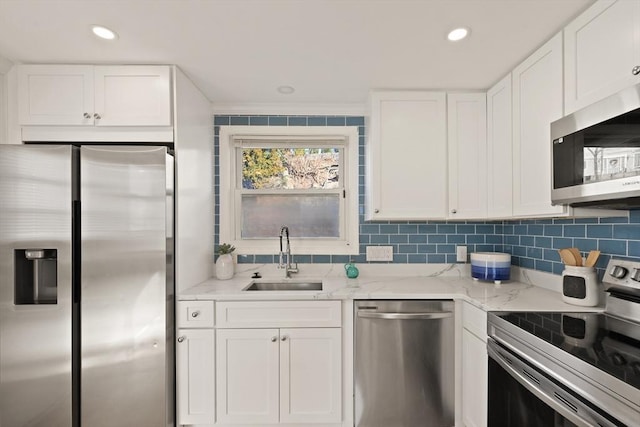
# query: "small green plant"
{"points": [[225, 248]]}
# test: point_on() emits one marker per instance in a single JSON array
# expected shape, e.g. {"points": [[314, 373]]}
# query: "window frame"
{"points": [[231, 189]]}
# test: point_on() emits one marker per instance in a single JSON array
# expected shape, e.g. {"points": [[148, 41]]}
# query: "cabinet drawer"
{"points": [[277, 314], [474, 320], [195, 314]]}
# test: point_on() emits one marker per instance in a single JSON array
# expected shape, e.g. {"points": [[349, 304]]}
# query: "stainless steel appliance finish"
{"points": [[582, 368], [596, 153], [404, 363], [102, 354]]}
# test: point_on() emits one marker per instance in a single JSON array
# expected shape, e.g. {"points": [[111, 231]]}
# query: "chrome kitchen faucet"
{"points": [[286, 265]]}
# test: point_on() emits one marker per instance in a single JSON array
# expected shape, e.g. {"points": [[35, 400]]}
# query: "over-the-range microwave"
{"points": [[596, 154]]}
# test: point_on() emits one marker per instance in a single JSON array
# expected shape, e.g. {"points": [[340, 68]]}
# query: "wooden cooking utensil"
{"points": [[567, 256], [592, 258], [577, 255]]}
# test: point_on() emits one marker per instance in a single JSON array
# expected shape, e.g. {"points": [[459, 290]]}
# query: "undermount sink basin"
{"points": [[274, 285]]}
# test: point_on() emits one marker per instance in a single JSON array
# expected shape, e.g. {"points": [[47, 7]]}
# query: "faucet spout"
{"points": [[285, 254]]}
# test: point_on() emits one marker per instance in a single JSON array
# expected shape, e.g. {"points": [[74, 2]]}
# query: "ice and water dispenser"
{"points": [[36, 276]]}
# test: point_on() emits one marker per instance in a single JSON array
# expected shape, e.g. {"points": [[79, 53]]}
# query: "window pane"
{"points": [[290, 168], [306, 216]]}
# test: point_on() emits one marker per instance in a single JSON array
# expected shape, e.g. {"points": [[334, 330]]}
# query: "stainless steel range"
{"points": [[569, 369]]}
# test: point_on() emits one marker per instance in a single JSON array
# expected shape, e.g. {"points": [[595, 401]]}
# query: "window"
{"points": [[305, 178]]}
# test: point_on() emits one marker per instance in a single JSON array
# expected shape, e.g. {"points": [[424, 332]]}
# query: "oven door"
{"points": [[521, 394]]}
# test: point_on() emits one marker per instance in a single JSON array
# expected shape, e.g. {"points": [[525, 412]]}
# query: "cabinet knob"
{"points": [[195, 314], [454, 211], [96, 116], [284, 338], [180, 339], [635, 70], [376, 210], [86, 115], [274, 339]]}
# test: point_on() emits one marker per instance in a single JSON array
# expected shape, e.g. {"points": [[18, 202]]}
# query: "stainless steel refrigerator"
{"points": [[86, 286]]}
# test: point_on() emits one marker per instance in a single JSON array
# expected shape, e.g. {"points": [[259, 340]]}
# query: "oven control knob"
{"points": [[618, 272], [618, 359], [636, 275]]}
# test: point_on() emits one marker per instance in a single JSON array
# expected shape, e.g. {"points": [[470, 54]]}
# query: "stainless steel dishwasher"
{"points": [[404, 363]]}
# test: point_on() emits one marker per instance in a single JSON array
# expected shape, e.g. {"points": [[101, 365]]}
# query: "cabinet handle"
{"points": [[453, 211], [284, 338], [180, 339], [86, 115], [274, 339], [635, 70], [96, 116], [376, 210], [195, 314]]}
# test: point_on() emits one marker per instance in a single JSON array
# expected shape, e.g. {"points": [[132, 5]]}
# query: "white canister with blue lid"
{"points": [[494, 266]]}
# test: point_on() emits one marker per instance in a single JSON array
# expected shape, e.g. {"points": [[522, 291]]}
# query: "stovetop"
{"points": [[608, 343]]}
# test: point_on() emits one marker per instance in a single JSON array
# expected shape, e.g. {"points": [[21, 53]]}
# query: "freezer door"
{"points": [[35, 286], [124, 296]]}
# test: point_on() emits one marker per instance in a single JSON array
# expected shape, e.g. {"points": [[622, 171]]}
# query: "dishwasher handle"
{"points": [[404, 316]]}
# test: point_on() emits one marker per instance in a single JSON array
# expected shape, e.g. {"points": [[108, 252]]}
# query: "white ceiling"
{"points": [[332, 51]]}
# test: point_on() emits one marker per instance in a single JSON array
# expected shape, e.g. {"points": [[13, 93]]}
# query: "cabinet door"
{"points": [[474, 380], [537, 101], [195, 382], [247, 389], [133, 95], [602, 46], [467, 142], [407, 156], [311, 375], [499, 151], [55, 95]]}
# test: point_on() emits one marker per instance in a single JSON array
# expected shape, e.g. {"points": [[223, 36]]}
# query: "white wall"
{"points": [[5, 67]]}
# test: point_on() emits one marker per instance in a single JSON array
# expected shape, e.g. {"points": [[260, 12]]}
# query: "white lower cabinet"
{"points": [[474, 366], [195, 363], [279, 375], [310, 375], [247, 376], [195, 376]]}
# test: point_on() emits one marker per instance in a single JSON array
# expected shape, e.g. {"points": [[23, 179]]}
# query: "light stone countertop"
{"points": [[527, 291]]}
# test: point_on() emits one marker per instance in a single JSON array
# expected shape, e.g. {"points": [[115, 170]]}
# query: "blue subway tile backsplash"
{"points": [[532, 243]]}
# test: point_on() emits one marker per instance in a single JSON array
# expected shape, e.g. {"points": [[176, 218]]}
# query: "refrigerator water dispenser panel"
{"points": [[36, 276]]}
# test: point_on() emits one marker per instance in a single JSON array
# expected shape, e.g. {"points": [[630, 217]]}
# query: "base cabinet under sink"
{"points": [[271, 376]]}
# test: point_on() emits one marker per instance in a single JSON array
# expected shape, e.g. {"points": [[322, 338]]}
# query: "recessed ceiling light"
{"points": [[458, 34], [286, 90], [103, 32]]}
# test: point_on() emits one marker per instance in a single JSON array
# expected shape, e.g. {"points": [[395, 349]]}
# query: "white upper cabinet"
{"points": [[467, 142], [406, 156], [55, 94], [86, 95], [537, 101], [602, 47], [499, 150]]}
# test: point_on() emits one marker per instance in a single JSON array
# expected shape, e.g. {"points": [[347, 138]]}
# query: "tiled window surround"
{"points": [[532, 243]]}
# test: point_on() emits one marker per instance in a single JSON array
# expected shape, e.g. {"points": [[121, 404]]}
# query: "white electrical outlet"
{"points": [[461, 253], [379, 253]]}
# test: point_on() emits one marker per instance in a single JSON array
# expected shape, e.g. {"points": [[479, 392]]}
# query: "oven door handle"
{"points": [[544, 389]]}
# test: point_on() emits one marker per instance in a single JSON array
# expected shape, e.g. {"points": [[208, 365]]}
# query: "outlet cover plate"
{"points": [[379, 253]]}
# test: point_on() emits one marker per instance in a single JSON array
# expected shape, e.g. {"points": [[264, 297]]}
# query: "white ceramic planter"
{"points": [[224, 267]]}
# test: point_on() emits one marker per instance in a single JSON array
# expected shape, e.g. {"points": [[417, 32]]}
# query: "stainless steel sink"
{"points": [[285, 286]]}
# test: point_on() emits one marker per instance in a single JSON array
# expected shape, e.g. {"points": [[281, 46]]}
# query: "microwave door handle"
{"points": [[555, 401]]}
